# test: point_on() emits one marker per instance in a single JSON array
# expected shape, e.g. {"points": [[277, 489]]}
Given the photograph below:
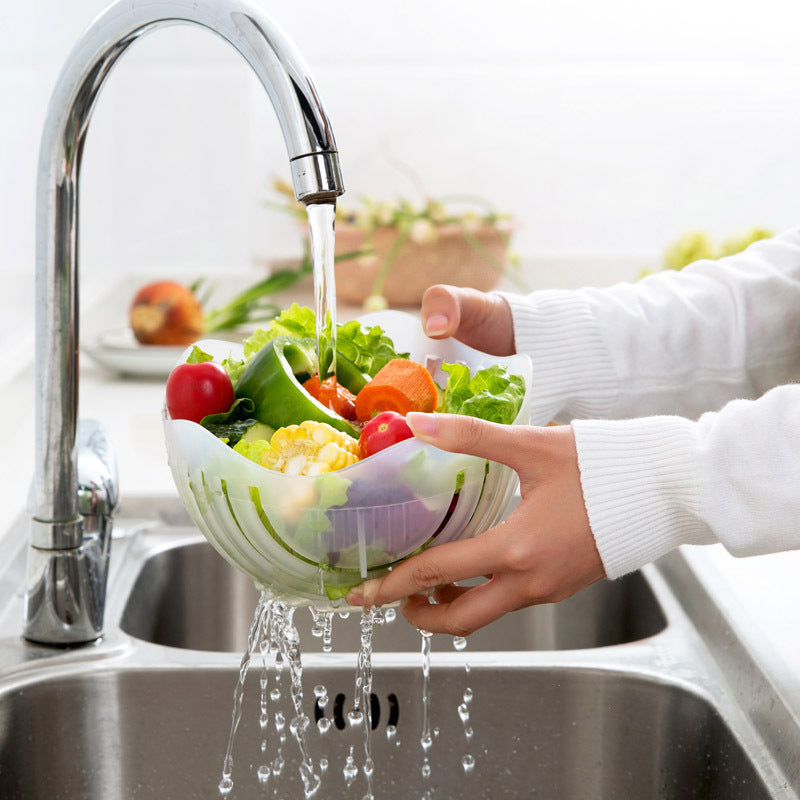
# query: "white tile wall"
{"points": [[606, 128]]}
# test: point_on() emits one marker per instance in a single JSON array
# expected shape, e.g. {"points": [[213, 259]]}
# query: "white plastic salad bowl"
{"points": [[311, 538]]}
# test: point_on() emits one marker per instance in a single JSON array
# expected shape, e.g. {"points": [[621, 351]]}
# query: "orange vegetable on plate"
{"points": [[402, 386]]}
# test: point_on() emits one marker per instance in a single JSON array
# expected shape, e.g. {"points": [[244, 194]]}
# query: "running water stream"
{"points": [[321, 226]]}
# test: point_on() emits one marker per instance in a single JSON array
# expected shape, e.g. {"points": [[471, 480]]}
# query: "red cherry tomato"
{"points": [[196, 390], [332, 395], [382, 431]]}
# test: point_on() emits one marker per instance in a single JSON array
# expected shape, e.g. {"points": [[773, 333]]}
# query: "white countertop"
{"points": [[760, 596]]}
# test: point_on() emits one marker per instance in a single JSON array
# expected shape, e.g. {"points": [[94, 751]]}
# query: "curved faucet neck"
{"points": [[314, 165]]}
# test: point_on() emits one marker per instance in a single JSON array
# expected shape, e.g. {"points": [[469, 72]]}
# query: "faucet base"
{"points": [[65, 595]]}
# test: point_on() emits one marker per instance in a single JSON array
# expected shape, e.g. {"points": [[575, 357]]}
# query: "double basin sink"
{"points": [[614, 693]]}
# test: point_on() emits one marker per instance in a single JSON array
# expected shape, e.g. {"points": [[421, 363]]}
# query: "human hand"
{"points": [[543, 552], [477, 319]]}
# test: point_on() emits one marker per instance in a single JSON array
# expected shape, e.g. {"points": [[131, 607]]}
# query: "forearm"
{"points": [[653, 483], [673, 343]]}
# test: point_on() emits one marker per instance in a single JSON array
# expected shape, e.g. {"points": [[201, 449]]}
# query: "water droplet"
{"points": [[320, 691], [263, 773], [391, 732], [350, 769], [344, 614], [369, 767], [467, 695], [355, 717], [299, 725], [459, 642], [390, 615], [323, 764], [323, 724], [280, 721], [468, 762], [275, 695], [468, 732], [225, 785], [311, 782], [426, 742], [463, 712], [426, 769]]}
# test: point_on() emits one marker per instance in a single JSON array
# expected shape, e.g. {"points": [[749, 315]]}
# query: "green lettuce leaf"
{"points": [[296, 321], [198, 356], [491, 394], [368, 349]]}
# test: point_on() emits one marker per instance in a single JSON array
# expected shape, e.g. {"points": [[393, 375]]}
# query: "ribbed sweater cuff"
{"points": [[639, 480], [573, 375]]}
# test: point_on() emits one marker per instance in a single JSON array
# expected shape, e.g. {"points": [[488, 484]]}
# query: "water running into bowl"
{"points": [[321, 226]]}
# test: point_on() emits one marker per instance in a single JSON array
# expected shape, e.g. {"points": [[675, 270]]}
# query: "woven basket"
{"points": [[476, 259]]}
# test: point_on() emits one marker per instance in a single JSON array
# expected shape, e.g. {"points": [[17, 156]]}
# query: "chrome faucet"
{"points": [[71, 514]]}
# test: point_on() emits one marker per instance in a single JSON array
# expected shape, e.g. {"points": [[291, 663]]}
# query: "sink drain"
{"points": [[339, 715]]}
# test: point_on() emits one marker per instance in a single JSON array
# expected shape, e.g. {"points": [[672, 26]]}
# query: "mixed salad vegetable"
{"points": [[272, 408]]}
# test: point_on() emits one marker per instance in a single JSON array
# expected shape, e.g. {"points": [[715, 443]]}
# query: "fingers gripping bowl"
{"points": [[311, 538]]}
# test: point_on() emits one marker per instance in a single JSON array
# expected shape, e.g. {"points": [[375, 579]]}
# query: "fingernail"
{"points": [[436, 324], [364, 594], [354, 597], [423, 425]]}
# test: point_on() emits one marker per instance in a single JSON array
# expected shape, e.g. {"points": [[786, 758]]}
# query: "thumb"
{"points": [[464, 434], [478, 319]]}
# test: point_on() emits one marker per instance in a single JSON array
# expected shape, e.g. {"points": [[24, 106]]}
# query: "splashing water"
{"points": [[426, 739], [468, 760], [362, 711], [273, 631], [350, 770], [253, 638]]}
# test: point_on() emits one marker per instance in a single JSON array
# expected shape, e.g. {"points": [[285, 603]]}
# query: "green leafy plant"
{"points": [[255, 304], [696, 245]]}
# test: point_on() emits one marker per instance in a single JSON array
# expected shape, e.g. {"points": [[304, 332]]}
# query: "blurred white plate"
{"points": [[119, 352]]}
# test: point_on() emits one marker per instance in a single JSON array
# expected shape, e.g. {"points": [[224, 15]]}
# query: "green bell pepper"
{"points": [[270, 380], [349, 375]]}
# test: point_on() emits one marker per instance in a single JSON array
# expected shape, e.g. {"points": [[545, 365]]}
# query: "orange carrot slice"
{"points": [[402, 385]]}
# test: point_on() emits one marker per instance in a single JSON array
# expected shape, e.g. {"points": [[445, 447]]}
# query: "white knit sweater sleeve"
{"points": [[635, 366]]}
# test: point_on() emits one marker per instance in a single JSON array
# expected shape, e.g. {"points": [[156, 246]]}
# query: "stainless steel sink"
{"points": [[622, 692], [551, 733], [166, 607]]}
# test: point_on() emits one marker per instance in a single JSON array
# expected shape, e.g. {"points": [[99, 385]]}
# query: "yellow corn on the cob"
{"points": [[310, 448]]}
